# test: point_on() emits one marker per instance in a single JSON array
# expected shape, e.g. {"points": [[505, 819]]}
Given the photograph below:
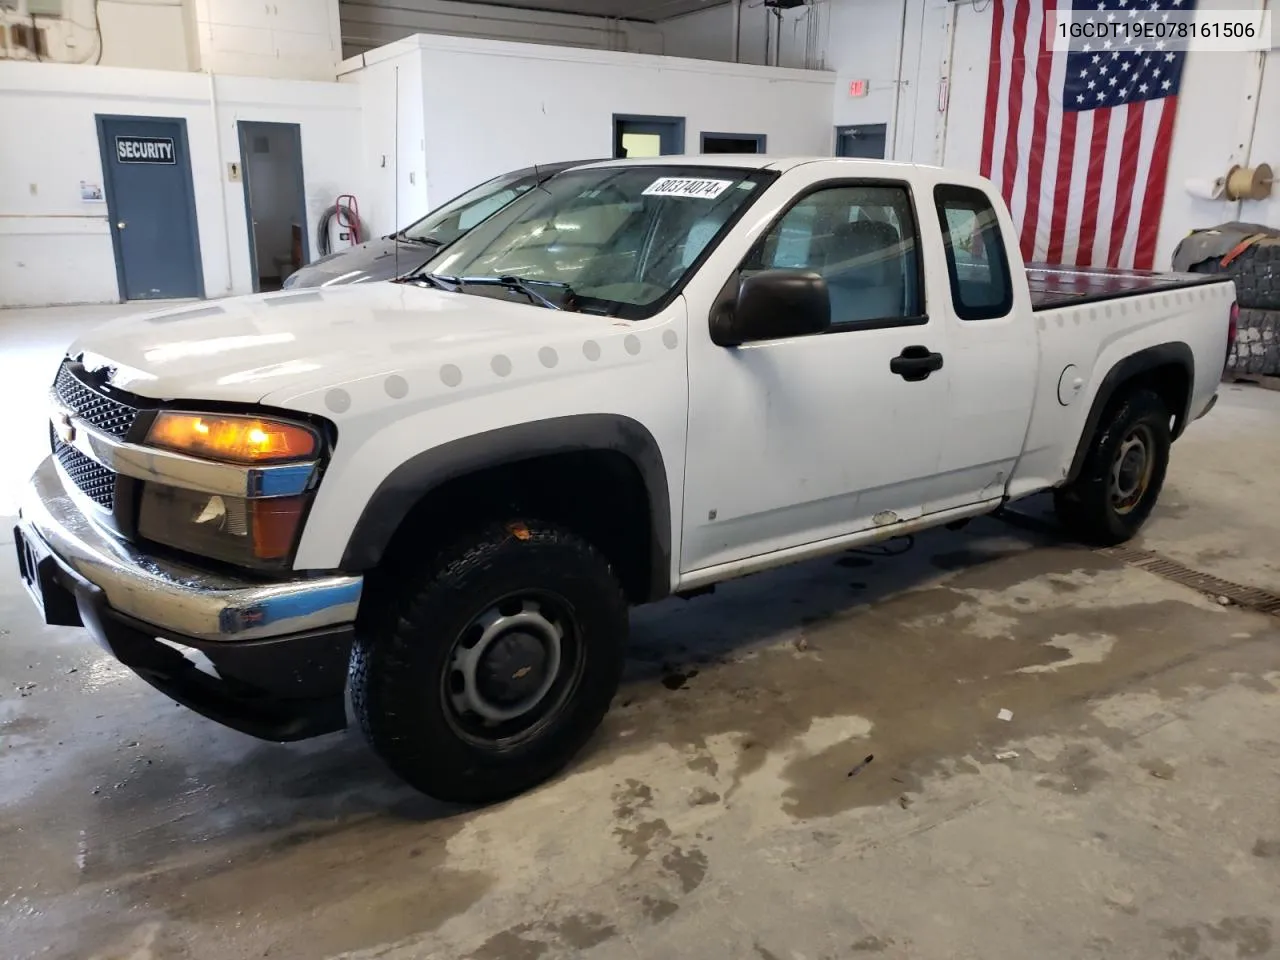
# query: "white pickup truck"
{"points": [[440, 495]]}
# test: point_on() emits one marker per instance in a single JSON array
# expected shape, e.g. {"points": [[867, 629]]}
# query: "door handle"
{"points": [[120, 225], [915, 363]]}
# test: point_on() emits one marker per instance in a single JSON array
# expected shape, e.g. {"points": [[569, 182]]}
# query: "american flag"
{"points": [[1078, 142]]}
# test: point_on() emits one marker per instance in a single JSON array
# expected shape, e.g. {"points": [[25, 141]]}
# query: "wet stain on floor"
{"points": [[1244, 936]]}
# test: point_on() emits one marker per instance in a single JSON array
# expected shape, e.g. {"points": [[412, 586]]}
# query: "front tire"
{"points": [[1122, 475], [481, 673]]}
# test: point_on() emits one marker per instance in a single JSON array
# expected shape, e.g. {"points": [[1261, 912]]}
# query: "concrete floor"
{"points": [[715, 815]]}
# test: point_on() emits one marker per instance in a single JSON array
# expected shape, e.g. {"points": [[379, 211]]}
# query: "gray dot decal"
{"points": [[450, 375], [339, 401], [591, 350], [397, 387], [670, 340], [548, 357], [632, 344], [501, 365]]}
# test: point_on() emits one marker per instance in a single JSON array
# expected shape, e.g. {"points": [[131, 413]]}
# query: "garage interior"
{"points": [[984, 742]]}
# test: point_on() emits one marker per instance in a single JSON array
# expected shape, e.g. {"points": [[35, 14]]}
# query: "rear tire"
{"points": [[481, 673], [1122, 475]]}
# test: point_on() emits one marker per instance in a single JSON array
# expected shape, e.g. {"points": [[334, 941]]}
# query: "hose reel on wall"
{"points": [[342, 217]]}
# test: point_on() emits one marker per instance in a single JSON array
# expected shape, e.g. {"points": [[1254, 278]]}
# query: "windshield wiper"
{"points": [[520, 285], [435, 280], [424, 241]]}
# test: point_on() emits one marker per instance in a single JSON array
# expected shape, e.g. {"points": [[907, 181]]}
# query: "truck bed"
{"points": [[1053, 287]]}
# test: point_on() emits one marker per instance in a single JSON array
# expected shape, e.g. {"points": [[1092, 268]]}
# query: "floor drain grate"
{"points": [[1263, 601]]}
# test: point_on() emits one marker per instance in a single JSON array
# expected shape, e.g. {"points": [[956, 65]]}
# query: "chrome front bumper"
{"points": [[176, 597]]}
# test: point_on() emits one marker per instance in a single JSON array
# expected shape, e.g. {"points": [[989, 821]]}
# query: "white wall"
{"points": [[559, 103], [382, 206], [1266, 141], [55, 248], [153, 35], [368, 24], [296, 39]]}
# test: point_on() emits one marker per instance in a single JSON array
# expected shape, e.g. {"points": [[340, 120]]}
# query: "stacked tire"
{"points": [[1256, 272], [1257, 346]]}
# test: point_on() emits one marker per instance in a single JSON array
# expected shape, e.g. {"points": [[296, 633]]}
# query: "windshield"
{"points": [[617, 240], [447, 223]]}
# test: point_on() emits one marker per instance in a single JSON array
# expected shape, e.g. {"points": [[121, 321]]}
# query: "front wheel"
{"points": [[1122, 475], [482, 673]]}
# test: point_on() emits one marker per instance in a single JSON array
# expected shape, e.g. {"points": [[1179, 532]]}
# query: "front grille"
{"points": [[94, 480], [96, 409], [107, 414]]}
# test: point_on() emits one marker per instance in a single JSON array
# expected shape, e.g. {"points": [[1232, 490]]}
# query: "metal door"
{"points": [[151, 206], [866, 140], [289, 172]]}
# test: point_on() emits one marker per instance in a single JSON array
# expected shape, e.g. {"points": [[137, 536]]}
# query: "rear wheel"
{"points": [[481, 673], [1123, 472]]}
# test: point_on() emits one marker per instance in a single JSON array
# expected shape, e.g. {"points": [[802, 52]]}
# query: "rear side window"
{"points": [[981, 288]]}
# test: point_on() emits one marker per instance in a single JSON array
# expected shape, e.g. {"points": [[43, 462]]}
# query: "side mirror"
{"points": [[770, 305]]}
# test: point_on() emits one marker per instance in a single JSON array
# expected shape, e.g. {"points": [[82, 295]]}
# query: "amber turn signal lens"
{"points": [[234, 439], [275, 525]]}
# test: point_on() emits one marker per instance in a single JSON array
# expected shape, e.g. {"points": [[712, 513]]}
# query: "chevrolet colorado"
{"points": [[439, 496]]}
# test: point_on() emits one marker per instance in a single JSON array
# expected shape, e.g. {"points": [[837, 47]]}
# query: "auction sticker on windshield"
{"points": [[687, 187]]}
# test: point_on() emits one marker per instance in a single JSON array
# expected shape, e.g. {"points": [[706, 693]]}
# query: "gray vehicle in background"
{"points": [[398, 254]]}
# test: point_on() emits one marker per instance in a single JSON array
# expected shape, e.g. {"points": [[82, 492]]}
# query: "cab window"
{"points": [[862, 240]]}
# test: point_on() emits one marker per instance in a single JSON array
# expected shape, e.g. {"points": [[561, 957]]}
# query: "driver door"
{"points": [[802, 439]]}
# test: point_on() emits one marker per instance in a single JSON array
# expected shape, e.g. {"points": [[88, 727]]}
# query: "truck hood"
{"points": [[280, 344]]}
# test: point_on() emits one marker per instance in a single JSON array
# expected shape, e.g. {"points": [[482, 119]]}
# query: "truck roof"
{"points": [[750, 161]]}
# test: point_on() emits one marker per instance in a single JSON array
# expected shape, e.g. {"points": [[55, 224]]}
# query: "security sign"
{"points": [[144, 150]]}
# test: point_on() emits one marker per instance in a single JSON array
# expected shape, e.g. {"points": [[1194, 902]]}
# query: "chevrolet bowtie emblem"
{"points": [[63, 427]]}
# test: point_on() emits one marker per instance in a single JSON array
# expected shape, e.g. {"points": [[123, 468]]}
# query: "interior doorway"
{"points": [[647, 136], [733, 142], [865, 140], [274, 200]]}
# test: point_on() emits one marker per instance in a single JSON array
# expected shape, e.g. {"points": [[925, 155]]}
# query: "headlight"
{"points": [[247, 533], [248, 440]]}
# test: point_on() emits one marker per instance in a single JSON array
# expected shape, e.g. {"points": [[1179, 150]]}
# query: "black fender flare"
{"points": [[1174, 353], [408, 483]]}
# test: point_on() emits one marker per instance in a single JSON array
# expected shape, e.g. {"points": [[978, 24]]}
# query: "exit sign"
{"points": [[857, 88]]}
